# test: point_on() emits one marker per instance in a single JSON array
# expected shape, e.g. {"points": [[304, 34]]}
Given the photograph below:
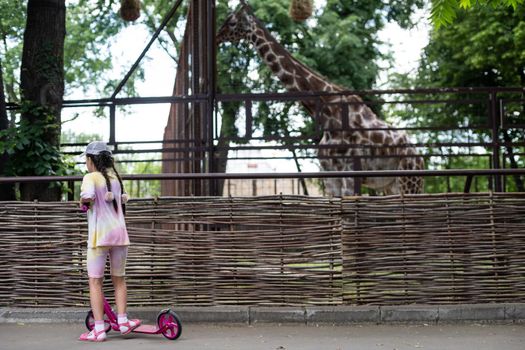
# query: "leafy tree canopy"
{"points": [[467, 54], [445, 11], [92, 28]]}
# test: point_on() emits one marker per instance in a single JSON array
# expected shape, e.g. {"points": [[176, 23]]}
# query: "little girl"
{"points": [[103, 192]]}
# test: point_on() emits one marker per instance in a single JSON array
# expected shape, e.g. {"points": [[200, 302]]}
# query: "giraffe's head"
{"points": [[238, 25]]}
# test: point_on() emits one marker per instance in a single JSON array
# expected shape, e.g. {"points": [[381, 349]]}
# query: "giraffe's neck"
{"points": [[294, 75]]}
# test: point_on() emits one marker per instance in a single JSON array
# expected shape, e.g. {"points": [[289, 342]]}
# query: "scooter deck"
{"points": [[146, 328]]}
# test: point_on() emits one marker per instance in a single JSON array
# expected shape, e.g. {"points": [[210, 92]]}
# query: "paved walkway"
{"points": [[52, 336]]}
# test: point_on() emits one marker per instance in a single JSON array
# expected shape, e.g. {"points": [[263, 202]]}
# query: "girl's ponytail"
{"points": [[102, 162], [122, 191]]}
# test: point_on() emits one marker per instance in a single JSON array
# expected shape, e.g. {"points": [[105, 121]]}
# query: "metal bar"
{"points": [[317, 118], [112, 111], [428, 128], [501, 114], [344, 117], [223, 97], [299, 138], [138, 100], [70, 190], [303, 147], [495, 139], [186, 159], [382, 102], [83, 144], [232, 97], [211, 69], [195, 54], [310, 95], [249, 119], [356, 162], [313, 175], [153, 38], [513, 126], [468, 183], [298, 166], [442, 90]]}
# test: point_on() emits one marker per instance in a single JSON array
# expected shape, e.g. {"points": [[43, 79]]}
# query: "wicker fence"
{"points": [[278, 250]]}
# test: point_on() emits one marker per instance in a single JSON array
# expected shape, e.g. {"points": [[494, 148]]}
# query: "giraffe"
{"points": [[352, 135]]}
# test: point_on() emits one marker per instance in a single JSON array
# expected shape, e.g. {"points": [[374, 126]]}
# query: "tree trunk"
{"points": [[42, 77], [7, 191]]}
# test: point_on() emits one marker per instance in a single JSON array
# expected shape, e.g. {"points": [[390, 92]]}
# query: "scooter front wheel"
{"points": [[171, 320], [90, 322]]}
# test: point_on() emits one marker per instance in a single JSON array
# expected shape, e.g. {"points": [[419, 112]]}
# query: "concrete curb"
{"points": [[310, 315]]}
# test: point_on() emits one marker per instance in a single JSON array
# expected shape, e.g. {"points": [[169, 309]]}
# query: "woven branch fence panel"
{"points": [[278, 250], [434, 249], [253, 250]]}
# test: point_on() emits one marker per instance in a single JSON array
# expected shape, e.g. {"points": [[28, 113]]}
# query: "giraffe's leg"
{"points": [[347, 186], [333, 186], [392, 189], [410, 184]]}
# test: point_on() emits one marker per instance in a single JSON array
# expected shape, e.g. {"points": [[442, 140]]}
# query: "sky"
{"points": [[147, 122], [406, 46]]}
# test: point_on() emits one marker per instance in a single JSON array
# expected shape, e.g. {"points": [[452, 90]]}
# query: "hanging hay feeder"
{"points": [[129, 10], [300, 9]]}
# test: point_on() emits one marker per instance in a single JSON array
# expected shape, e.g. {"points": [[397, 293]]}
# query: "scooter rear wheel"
{"points": [[169, 317], [90, 322]]}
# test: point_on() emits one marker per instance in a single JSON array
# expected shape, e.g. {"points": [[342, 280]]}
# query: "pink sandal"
{"points": [[128, 327], [93, 336]]}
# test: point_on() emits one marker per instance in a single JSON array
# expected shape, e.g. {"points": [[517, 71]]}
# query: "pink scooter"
{"points": [[168, 323]]}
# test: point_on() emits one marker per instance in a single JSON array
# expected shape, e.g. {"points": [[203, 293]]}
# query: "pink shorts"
{"points": [[96, 261]]}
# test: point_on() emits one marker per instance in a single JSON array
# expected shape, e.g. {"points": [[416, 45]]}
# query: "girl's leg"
{"points": [[118, 257], [121, 293], [96, 262], [96, 297]]}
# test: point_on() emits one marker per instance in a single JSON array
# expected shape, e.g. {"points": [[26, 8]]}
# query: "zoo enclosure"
{"points": [[193, 142], [499, 112]]}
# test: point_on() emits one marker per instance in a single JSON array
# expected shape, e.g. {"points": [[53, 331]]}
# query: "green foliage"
{"points": [[444, 12], [29, 153], [141, 188], [467, 54], [91, 27], [139, 164], [12, 22], [72, 137]]}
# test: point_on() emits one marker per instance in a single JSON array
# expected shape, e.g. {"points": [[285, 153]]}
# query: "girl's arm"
{"points": [[85, 202], [87, 191]]}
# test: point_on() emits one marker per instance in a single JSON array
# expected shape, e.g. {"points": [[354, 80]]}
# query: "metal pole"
{"points": [[112, 110], [211, 62], [196, 122], [495, 139], [316, 175]]}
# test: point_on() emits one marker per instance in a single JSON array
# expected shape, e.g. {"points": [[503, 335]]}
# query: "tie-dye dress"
{"points": [[106, 227]]}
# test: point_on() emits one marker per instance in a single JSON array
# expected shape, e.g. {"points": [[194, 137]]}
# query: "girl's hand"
{"points": [[85, 204]]}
